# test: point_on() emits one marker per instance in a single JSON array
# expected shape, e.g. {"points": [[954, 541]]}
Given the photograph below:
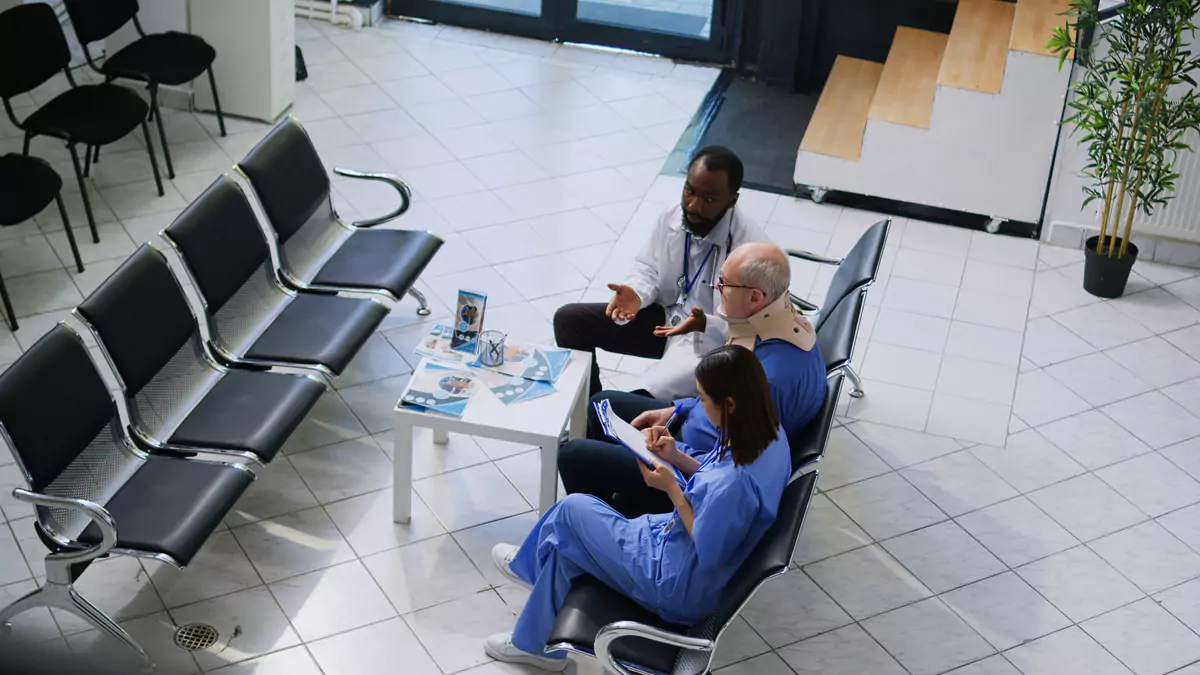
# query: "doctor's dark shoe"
{"points": [[502, 555], [501, 648]]}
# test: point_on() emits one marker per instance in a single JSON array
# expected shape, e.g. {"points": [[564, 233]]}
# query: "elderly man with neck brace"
{"points": [[754, 312]]}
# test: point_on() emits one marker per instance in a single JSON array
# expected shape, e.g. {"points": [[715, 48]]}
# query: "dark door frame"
{"points": [[558, 22]]}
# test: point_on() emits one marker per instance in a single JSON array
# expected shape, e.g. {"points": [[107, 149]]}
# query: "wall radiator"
{"points": [[1180, 218]]}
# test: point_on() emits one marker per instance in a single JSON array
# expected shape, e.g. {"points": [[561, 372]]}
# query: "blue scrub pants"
{"points": [[576, 536]]}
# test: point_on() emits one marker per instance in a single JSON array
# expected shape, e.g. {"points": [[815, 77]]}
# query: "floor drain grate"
{"points": [[195, 636]]}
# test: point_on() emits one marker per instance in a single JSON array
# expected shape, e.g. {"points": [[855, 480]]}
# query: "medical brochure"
{"points": [[440, 388], [437, 345], [468, 320], [531, 362]]}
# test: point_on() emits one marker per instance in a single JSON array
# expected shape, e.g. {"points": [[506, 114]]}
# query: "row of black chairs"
{"points": [[229, 380], [598, 622], [33, 50]]}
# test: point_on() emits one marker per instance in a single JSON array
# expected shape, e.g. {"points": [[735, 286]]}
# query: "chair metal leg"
{"points": [[96, 158], [422, 303], [87, 161], [212, 83], [25, 148], [31, 600], [62, 210], [153, 160], [162, 133], [856, 388], [83, 192], [8, 310]]}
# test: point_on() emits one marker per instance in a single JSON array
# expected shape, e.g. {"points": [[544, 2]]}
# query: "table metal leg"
{"points": [[441, 436], [548, 491], [402, 444], [579, 414]]}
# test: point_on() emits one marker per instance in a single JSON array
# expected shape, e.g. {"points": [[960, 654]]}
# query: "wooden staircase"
{"points": [[902, 90]]}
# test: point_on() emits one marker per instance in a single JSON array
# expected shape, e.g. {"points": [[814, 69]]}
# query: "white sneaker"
{"points": [[501, 648], [502, 555]]}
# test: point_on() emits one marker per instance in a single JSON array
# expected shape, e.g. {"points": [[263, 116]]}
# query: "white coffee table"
{"points": [[538, 422]]}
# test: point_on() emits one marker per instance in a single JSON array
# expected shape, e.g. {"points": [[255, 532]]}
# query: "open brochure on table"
{"points": [[624, 434], [441, 388], [513, 389], [531, 362]]}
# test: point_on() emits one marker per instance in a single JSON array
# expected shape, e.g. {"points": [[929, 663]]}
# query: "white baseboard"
{"points": [[1157, 249]]}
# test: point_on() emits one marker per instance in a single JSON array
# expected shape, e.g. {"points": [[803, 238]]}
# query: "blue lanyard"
{"points": [[687, 263]]}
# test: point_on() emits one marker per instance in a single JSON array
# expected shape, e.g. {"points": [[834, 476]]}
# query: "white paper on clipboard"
{"points": [[623, 433]]}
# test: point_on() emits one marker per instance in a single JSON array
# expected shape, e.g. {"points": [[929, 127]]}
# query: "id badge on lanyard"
{"points": [[687, 281]]}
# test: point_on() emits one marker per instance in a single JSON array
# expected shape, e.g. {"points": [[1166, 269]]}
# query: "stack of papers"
{"points": [[624, 434], [440, 388], [543, 364], [526, 374]]}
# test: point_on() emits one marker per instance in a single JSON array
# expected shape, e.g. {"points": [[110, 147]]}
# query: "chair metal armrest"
{"points": [[813, 257], [803, 306], [98, 514], [621, 629], [390, 179]]}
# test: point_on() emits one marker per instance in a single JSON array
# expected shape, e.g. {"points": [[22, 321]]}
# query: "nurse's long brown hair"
{"points": [[733, 372]]}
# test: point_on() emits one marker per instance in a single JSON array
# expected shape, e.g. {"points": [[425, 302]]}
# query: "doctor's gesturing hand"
{"points": [[625, 303], [695, 322]]}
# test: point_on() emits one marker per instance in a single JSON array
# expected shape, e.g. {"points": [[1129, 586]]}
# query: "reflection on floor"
{"points": [[1017, 493]]}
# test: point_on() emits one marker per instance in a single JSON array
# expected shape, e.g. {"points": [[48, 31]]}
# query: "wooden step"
{"points": [[978, 46], [1035, 23], [910, 75], [840, 118]]}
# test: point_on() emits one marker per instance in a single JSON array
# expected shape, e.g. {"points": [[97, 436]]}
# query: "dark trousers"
{"points": [[599, 467], [584, 326]]}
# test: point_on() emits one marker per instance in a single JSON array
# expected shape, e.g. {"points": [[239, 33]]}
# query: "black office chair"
{"points": [[597, 621], [177, 396], [252, 317], [810, 443], [857, 270], [94, 493], [33, 49], [28, 185], [160, 58], [316, 249], [837, 337]]}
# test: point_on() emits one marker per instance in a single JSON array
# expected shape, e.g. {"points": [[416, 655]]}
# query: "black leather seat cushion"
{"points": [[836, 334], [27, 185], [810, 443], [95, 114], [391, 259], [172, 505], [591, 606], [249, 410], [324, 329], [168, 58]]}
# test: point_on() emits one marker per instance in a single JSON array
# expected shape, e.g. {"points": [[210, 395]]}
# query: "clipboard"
{"points": [[624, 434]]}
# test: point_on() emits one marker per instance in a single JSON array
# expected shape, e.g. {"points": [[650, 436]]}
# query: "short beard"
{"points": [[707, 226]]}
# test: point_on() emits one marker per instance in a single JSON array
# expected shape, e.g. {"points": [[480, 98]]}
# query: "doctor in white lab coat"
{"points": [[672, 276]]}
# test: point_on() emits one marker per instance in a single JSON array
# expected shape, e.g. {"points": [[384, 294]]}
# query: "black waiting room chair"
{"points": [[858, 269], [316, 249], [597, 621], [177, 396], [93, 491], [170, 58], [28, 185], [855, 273], [253, 318], [33, 50], [809, 446], [837, 337]]}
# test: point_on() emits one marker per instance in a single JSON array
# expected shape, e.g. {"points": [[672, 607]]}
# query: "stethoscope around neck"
{"points": [[686, 285]]}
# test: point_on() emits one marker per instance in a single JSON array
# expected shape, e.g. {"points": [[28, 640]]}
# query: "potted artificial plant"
{"points": [[1133, 105]]}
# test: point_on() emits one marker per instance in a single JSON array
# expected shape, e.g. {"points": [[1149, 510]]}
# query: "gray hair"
{"points": [[770, 275]]}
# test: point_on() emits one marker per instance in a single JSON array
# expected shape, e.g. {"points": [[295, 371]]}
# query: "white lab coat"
{"points": [[655, 278]]}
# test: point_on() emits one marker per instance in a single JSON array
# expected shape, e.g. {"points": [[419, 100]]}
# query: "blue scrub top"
{"points": [[685, 576], [797, 381]]}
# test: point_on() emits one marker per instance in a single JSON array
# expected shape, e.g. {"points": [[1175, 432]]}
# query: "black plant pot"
{"points": [[1103, 276]]}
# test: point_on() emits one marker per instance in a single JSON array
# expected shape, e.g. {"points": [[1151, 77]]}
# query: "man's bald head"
{"points": [[755, 274]]}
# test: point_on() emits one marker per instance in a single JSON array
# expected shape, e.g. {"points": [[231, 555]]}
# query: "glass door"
{"points": [[697, 30]]}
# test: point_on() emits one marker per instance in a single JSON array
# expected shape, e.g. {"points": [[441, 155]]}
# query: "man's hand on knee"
{"points": [[651, 418]]}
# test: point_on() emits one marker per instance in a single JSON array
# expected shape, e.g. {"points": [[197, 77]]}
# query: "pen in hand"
{"points": [[653, 436]]}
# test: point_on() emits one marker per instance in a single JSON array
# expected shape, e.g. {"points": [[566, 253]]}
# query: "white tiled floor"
{"points": [[1019, 490]]}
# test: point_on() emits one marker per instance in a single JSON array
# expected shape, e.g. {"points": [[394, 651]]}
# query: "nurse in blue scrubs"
{"points": [[676, 564]]}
